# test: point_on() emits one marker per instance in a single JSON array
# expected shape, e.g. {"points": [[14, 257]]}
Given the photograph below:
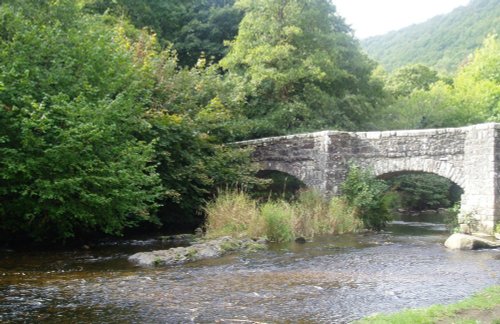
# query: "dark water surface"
{"points": [[335, 279]]}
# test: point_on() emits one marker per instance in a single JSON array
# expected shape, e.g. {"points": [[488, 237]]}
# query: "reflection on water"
{"points": [[333, 279]]}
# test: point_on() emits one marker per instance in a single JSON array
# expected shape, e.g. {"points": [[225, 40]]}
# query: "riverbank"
{"points": [[483, 307]]}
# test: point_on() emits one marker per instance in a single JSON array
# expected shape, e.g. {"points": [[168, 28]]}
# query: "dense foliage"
{"points": [[70, 113], [443, 43], [193, 111], [194, 27], [302, 68], [423, 191], [98, 127], [471, 96], [407, 79]]}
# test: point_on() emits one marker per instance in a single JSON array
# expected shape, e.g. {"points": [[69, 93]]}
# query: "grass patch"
{"points": [[342, 218], [235, 214], [277, 217], [456, 313]]}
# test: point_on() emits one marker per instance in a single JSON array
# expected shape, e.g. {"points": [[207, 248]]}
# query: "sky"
{"points": [[377, 17]]}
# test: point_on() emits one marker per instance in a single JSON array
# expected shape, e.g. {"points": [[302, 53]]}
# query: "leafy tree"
{"points": [[472, 96], [192, 113], [405, 80], [210, 101], [164, 17], [192, 167], [194, 28], [208, 24], [70, 113], [476, 88], [302, 67]]}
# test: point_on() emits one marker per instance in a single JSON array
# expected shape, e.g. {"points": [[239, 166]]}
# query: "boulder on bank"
{"points": [[469, 242], [199, 251]]}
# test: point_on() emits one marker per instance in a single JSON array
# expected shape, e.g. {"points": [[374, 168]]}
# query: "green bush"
{"points": [[368, 196], [71, 120]]}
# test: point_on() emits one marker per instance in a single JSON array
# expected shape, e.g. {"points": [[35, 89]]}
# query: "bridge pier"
{"points": [[480, 204], [468, 156]]}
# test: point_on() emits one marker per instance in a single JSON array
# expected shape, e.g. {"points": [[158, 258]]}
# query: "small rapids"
{"points": [[335, 279]]}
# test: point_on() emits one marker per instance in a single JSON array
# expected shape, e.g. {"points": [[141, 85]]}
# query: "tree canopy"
{"points": [[471, 97], [302, 67], [193, 27], [70, 110]]}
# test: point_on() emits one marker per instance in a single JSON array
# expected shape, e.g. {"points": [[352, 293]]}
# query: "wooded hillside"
{"points": [[443, 42]]}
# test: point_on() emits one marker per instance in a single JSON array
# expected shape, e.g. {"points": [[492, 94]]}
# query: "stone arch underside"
{"points": [[439, 167], [297, 170]]}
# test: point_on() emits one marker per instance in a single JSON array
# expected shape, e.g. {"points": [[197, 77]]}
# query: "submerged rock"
{"points": [[469, 242], [199, 251], [179, 239]]}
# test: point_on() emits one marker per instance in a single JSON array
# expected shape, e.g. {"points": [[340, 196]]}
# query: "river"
{"points": [[335, 279]]}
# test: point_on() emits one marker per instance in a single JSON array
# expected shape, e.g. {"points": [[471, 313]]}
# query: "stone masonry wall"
{"points": [[481, 185], [303, 156]]}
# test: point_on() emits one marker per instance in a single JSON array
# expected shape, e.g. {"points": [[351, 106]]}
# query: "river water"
{"points": [[335, 279]]}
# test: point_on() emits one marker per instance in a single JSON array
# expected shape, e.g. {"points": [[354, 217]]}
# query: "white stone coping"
{"points": [[372, 134]]}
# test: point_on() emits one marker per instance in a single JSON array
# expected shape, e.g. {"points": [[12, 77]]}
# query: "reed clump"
{"points": [[232, 213], [236, 214]]}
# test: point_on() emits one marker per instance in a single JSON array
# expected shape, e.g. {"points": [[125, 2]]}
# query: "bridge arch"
{"points": [[440, 168], [282, 185], [283, 168]]}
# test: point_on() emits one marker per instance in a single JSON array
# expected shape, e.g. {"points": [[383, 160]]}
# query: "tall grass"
{"points": [[232, 213], [342, 217], [277, 218], [310, 211], [235, 213]]}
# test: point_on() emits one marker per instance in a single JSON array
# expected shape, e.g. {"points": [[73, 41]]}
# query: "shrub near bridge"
{"points": [[368, 197]]}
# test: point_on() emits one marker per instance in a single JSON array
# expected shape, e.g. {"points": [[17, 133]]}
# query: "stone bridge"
{"points": [[468, 156]]}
